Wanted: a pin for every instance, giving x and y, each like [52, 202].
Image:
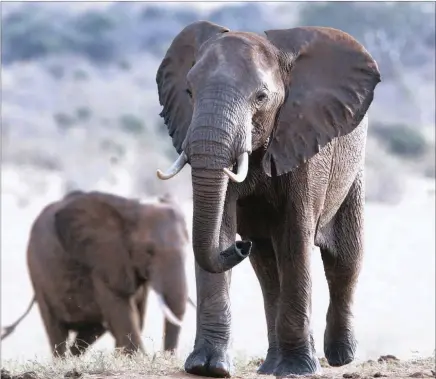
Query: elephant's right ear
[94, 233]
[171, 77]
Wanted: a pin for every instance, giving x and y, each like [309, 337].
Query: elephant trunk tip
[233, 255]
[243, 248]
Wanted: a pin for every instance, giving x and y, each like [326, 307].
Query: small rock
[353, 375]
[379, 375]
[29, 375]
[257, 361]
[73, 374]
[5, 374]
[419, 374]
[323, 362]
[387, 358]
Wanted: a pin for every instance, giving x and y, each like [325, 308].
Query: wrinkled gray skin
[295, 100]
[92, 258]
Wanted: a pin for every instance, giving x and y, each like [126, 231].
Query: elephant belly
[80, 308]
[255, 217]
[76, 302]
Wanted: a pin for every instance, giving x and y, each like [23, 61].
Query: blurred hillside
[79, 95]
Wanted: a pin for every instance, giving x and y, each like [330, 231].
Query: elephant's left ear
[330, 85]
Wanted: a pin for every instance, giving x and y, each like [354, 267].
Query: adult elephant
[289, 109]
[92, 258]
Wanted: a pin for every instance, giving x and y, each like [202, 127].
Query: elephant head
[227, 94]
[127, 243]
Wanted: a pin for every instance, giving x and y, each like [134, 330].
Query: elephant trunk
[209, 192]
[170, 285]
[219, 136]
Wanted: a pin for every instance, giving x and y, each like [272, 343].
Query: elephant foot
[297, 362]
[269, 364]
[340, 352]
[210, 361]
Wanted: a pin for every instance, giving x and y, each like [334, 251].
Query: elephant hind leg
[86, 336]
[56, 330]
[264, 263]
[342, 256]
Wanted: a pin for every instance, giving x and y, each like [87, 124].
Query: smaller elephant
[92, 258]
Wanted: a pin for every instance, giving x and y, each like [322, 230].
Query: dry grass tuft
[114, 365]
[97, 363]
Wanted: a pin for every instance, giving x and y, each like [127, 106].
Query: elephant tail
[7, 330]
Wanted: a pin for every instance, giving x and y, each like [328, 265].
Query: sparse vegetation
[64, 121]
[84, 52]
[131, 124]
[83, 113]
[80, 75]
[402, 140]
[104, 365]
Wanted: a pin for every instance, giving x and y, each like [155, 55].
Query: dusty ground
[116, 367]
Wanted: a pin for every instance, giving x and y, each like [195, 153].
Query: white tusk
[240, 176]
[168, 313]
[174, 169]
[190, 301]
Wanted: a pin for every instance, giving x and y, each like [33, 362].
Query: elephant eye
[188, 91]
[261, 97]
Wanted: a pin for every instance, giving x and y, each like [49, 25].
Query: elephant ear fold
[94, 234]
[330, 81]
[171, 77]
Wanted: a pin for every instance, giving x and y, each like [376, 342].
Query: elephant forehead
[268, 77]
[238, 60]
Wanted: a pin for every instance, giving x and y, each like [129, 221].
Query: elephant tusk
[190, 301]
[168, 313]
[240, 176]
[174, 169]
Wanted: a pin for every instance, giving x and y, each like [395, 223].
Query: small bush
[57, 72]
[80, 75]
[131, 124]
[83, 113]
[112, 148]
[64, 121]
[401, 140]
[124, 65]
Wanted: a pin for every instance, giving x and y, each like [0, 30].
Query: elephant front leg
[295, 342]
[342, 257]
[122, 316]
[210, 355]
[264, 263]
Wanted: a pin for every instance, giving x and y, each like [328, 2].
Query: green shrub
[28, 33]
[131, 124]
[80, 75]
[57, 71]
[401, 140]
[113, 148]
[83, 113]
[124, 65]
[64, 121]
[93, 36]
